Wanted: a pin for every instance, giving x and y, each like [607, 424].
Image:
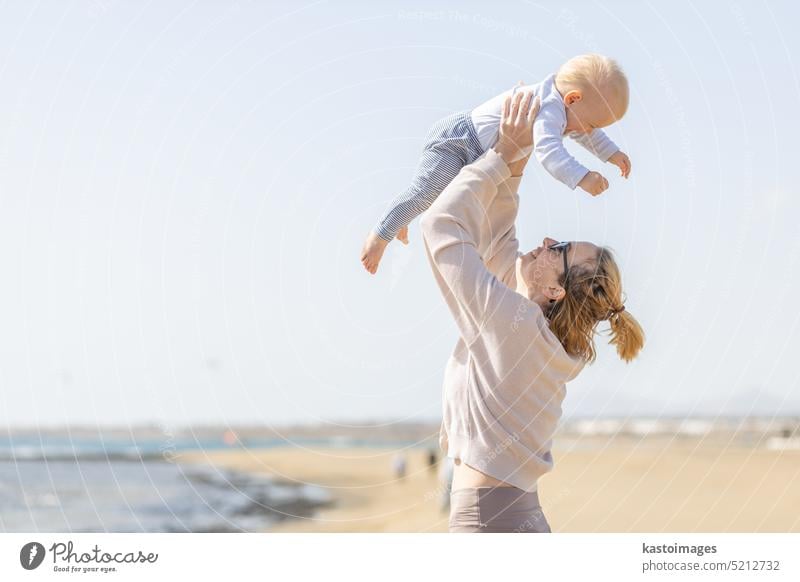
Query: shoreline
[605, 485]
[365, 494]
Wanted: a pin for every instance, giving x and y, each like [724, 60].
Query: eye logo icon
[31, 555]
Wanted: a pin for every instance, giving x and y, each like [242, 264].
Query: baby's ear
[572, 97]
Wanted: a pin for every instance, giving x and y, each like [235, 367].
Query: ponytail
[626, 335]
[594, 295]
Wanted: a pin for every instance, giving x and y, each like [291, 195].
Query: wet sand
[597, 485]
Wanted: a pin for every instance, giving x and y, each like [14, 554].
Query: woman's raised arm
[459, 227]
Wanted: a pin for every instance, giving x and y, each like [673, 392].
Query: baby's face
[588, 112]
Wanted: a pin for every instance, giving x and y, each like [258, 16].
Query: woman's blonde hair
[598, 74]
[594, 294]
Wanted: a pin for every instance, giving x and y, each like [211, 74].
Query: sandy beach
[598, 485]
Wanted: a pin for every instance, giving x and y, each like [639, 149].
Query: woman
[526, 325]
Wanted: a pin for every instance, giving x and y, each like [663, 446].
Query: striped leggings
[451, 144]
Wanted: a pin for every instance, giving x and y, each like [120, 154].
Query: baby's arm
[597, 142]
[606, 150]
[549, 149]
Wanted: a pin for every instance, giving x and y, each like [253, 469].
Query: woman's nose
[547, 241]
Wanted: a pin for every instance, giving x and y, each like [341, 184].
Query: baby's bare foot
[372, 251]
[402, 235]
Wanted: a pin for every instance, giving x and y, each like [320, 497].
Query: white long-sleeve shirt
[548, 133]
[505, 381]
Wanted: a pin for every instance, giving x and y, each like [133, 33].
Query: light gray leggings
[496, 510]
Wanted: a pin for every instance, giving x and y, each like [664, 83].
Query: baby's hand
[594, 183]
[622, 161]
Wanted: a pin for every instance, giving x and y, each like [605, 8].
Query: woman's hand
[516, 128]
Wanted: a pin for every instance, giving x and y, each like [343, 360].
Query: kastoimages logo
[31, 555]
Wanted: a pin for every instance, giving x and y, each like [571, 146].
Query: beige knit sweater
[505, 381]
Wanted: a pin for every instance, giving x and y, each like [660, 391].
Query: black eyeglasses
[563, 247]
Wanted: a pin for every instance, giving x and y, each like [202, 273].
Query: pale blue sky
[186, 185]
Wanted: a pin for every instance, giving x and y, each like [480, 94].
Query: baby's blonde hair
[598, 74]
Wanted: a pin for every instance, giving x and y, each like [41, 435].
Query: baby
[587, 93]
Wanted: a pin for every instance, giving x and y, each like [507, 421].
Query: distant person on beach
[587, 93]
[399, 466]
[526, 324]
[432, 458]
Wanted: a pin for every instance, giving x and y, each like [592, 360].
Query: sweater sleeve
[458, 229]
[501, 258]
[597, 142]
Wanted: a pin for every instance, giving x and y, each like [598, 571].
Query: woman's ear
[554, 293]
